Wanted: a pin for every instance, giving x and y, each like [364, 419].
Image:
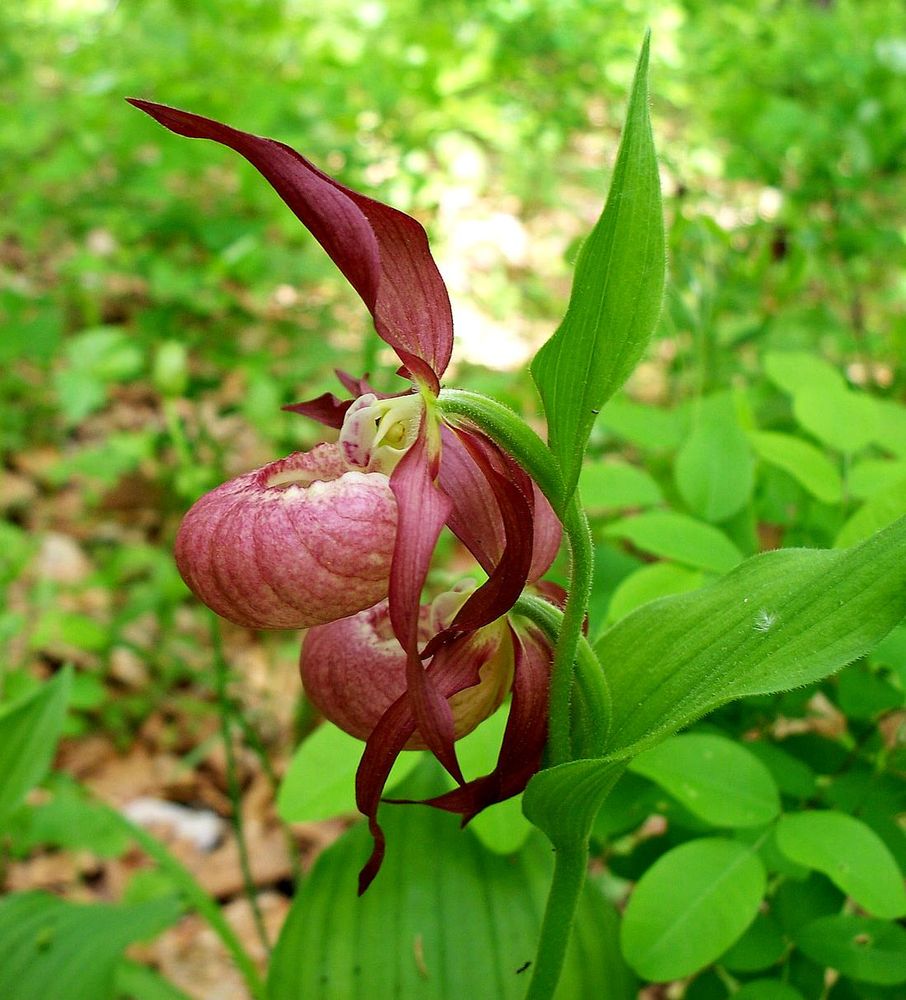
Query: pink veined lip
[354, 669]
[296, 543]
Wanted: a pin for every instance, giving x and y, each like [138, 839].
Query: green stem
[510, 431]
[569, 877]
[513, 434]
[221, 674]
[591, 702]
[575, 524]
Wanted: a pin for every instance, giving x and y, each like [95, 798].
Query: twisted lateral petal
[422, 510]
[455, 668]
[353, 670]
[382, 252]
[523, 738]
[299, 542]
[476, 518]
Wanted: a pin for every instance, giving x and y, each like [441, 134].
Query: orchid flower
[348, 529]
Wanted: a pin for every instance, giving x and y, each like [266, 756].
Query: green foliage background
[158, 305]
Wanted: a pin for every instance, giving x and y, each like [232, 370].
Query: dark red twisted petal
[523, 738]
[360, 386]
[453, 669]
[512, 493]
[382, 252]
[475, 518]
[422, 509]
[327, 409]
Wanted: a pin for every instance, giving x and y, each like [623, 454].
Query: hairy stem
[575, 525]
[569, 877]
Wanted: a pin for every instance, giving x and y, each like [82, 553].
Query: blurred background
[159, 304]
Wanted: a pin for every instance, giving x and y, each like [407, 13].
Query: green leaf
[616, 297]
[48, 945]
[564, 800]
[811, 468]
[844, 420]
[649, 583]
[872, 475]
[68, 819]
[801, 371]
[714, 468]
[445, 918]
[648, 427]
[850, 853]
[780, 620]
[870, 950]
[29, 730]
[320, 780]
[767, 989]
[135, 981]
[759, 948]
[796, 904]
[793, 776]
[679, 537]
[714, 778]
[876, 513]
[890, 433]
[690, 906]
[613, 485]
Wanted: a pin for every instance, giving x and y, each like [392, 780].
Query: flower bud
[353, 670]
[296, 543]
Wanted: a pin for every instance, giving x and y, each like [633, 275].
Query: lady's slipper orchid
[318, 537]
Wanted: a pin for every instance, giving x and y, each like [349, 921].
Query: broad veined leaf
[29, 730]
[850, 853]
[616, 296]
[649, 583]
[679, 537]
[690, 906]
[863, 948]
[877, 512]
[713, 777]
[564, 800]
[714, 468]
[320, 780]
[48, 945]
[445, 918]
[614, 485]
[811, 468]
[780, 620]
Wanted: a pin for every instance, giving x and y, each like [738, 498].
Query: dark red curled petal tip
[383, 253]
[511, 492]
[327, 409]
[523, 738]
[475, 518]
[455, 671]
[422, 509]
